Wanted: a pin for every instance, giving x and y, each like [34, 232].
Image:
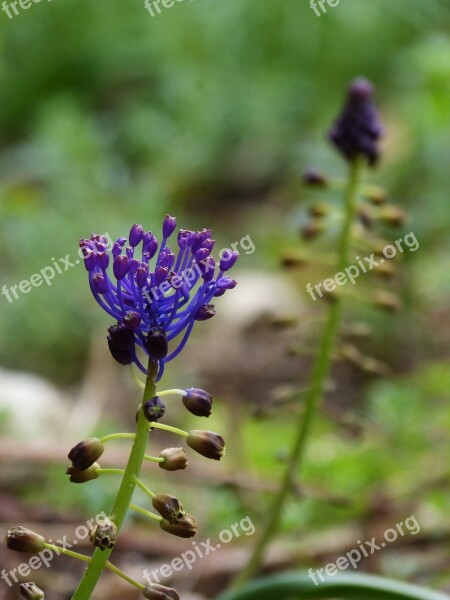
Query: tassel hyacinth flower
[155, 295]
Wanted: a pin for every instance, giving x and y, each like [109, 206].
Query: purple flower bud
[103, 260]
[99, 283]
[154, 409]
[184, 238]
[205, 312]
[134, 266]
[357, 130]
[219, 293]
[169, 226]
[136, 235]
[208, 267]
[121, 337]
[132, 320]
[160, 275]
[90, 259]
[121, 344]
[207, 443]
[228, 260]
[142, 276]
[208, 243]
[198, 402]
[156, 343]
[201, 254]
[150, 244]
[226, 283]
[116, 250]
[121, 266]
[86, 453]
[129, 251]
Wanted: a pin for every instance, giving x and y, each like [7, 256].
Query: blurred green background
[210, 111]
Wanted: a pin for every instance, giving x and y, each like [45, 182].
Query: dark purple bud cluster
[358, 130]
[155, 295]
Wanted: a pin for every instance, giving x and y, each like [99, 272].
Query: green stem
[118, 436]
[143, 487]
[110, 471]
[169, 428]
[154, 459]
[314, 394]
[88, 559]
[125, 493]
[146, 513]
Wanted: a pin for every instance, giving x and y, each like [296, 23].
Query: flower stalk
[315, 392]
[100, 557]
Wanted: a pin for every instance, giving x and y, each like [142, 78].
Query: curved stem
[87, 559]
[146, 513]
[143, 487]
[118, 436]
[125, 493]
[110, 471]
[314, 394]
[169, 428]
[154, 459]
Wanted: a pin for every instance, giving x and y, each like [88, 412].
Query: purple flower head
[357, 130]
[153, 292]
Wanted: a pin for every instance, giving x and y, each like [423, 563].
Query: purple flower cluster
[155, 295]
[358, 129]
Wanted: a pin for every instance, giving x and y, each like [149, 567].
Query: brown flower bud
[24, 540]
[292, 259]
[169, 508]
[160, 592]
[185, 528]
[30, 591]
[206, 443]
[388, 301]
[312, 230]
[393, 216]
[319, 209]
[175, 459]
[104, 535]
[84, 454]
[376, 195]
[311, 176]
[77, 476]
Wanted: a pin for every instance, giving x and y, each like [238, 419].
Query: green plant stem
[169, 428]
[110, 471]
[146, 513]
[342, 586]
[154, 459]
[88, 559]
[125, 493]
[118, 436]
[315, 392]
[143, 487]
